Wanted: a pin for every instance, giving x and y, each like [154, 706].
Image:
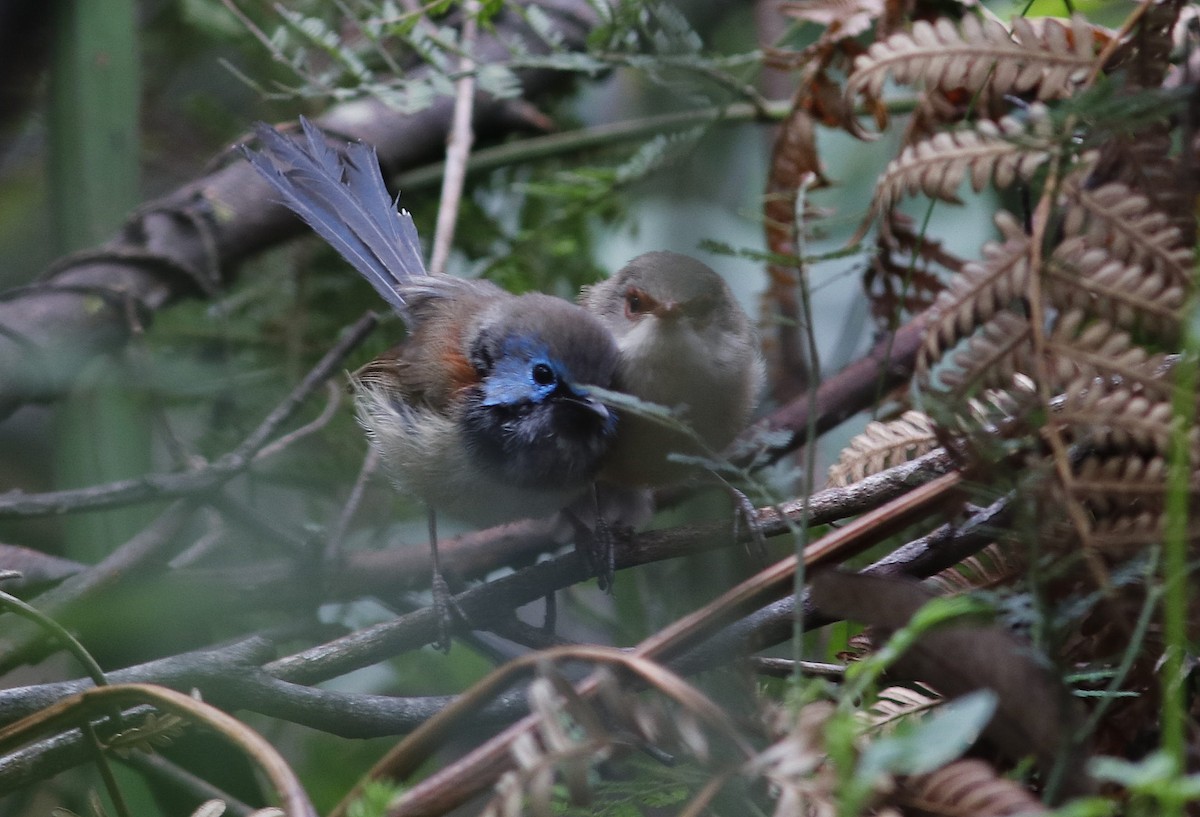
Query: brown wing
[431, 366]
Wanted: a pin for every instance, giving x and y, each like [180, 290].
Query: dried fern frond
[1146, 159]
[1000, 349]
[154, 730]
[795, 764]
[1146, 56]
[966, 788]
[907, 272]
[1125, 485]
[1117, 419]
[981, 290]
[896, 703]
[1120, 485]
[897, 289]
[1147, 162]
[981, 54]
[841, 18]
[904, 237]
[883, 445]
[1123, 222]
[1001, 152]
[1082, 276]
[1121, 536]
[994, 565]
[1080, 350]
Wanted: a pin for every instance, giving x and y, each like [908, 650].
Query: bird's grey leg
[743, 508]
[444, 605]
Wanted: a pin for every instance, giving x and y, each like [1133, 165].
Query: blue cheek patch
[511, 381]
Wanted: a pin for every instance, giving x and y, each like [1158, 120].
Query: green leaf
[665, 797]
[1156, 776]
[939, 739]
[1088, 807]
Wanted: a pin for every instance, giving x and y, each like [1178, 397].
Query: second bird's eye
[637, 301]
[543, 375]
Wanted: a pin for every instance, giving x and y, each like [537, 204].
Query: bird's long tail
[341, 195]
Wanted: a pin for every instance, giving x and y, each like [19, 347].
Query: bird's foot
[743, 509]
[447, 610]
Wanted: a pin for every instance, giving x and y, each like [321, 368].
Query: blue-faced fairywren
[483, 412]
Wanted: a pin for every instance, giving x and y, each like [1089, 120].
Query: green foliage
[641, 789]
[654, 38]
[531, 228]
[1155, 782]
[931, 742]
[374, 799]
[154, 731]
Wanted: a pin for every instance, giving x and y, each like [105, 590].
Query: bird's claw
[744, 510]
[446, 609]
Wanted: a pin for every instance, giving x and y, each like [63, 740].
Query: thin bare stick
[170, 485]
[459, 147]
[454, 784]
[333, 399]
[370, 464]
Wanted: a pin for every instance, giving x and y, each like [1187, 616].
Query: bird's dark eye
[637, 302]
[543, 375]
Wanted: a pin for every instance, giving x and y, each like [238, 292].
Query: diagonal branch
[190, 242]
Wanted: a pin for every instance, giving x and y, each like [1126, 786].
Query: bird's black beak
[580, 399]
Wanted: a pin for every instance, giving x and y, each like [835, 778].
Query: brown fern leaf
[1146, 56]
[1122, 485]
[1000, 349]
[795, 763]
[1002, 152]
[1122, 481]
[982, 54]
[1122, 221]
[795, 164]
[981, 290]
[897, 703]
[1118, 419]
[906, 238]
[907, 273]
[1080, 275]
[993, 566]
[1080, 350]
[1121, 536]
[1146, 160]
[935, 110]
[966, 788]
[841, 18]
[883, 445]
[899, 288]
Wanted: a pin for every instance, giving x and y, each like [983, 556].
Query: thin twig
[370, 465]
[64, 714]
[459, 147]
[231, 676]
[56, 631]
[381, 641]
[333, 400]
[167, 486]
[456, 783]
[150, 542]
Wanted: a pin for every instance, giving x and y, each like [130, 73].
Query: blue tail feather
[343, 198]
